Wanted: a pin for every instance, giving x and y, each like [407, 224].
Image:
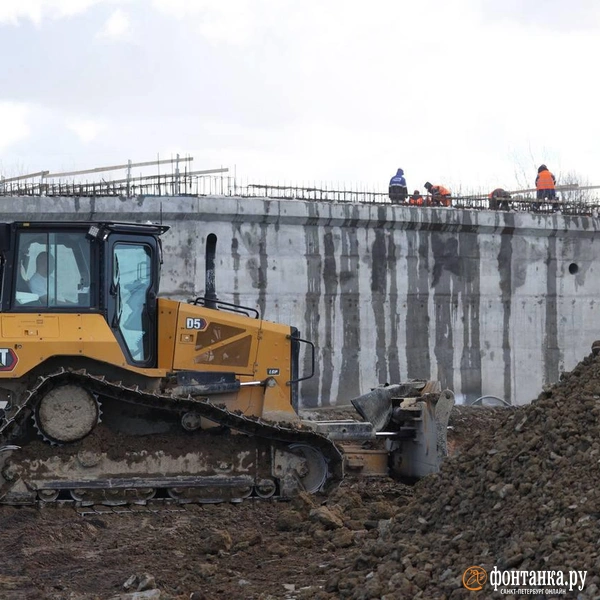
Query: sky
[470, 94]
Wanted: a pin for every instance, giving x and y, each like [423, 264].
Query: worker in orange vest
[416, 199]
[545, 184]
[440, 196]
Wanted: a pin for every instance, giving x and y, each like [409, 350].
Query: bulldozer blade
[376, 405]
[424, 454]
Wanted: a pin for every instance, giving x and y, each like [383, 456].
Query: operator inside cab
[53, 272]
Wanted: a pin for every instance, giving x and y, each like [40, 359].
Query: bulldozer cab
[107, 268]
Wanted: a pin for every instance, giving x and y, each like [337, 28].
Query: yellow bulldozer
[110, 394]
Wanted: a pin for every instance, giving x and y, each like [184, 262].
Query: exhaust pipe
[210, 293]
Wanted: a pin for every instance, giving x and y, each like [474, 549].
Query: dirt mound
[524, 497]
[312, 548]
[468, 422]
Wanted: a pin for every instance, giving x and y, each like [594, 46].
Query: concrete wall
[487, 302]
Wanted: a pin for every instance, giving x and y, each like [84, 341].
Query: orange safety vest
[544, 181]
[416, 200]
[440, 190]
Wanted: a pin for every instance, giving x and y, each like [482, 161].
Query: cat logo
[8, 359]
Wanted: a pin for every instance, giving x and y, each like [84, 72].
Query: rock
[146, 582]
[311, 593]
[345, 499]
[131, 583]
[382, 510]
[278, 550]
[303, 541]
[255, 539]
[325, 517]
[240, 546]
[303, 503]
[146, 595]
[421, 579]
[215, 541]
[346, 586]
[289, 520]
[505, 490]
[358, 514]
[206, 570]
[320, 535]
[331, 585]
[342, 538]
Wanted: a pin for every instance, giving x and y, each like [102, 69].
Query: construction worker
[440, 196]
[499, 199]
[416, 199]
[545, 184]
[398, 190]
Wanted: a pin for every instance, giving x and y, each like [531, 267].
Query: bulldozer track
[103, 387]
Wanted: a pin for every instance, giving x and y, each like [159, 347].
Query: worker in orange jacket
[545, 184]
[416, 199]
[440, 196]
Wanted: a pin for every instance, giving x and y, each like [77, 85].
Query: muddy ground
[265, 549]
[520, 492]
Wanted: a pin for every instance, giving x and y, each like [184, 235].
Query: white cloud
[13, 11]
[453, 92]
[116, 26]
[235, 22]
[13, 123]
[87, 130]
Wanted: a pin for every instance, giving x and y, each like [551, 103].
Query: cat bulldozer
[110, 394]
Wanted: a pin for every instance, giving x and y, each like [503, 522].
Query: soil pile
[519, 491]
[525, 496]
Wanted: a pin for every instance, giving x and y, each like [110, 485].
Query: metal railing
[571, 200]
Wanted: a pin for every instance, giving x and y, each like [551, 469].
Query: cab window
[53, 270]
[132, 278]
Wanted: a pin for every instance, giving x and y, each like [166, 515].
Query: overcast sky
[472, 94]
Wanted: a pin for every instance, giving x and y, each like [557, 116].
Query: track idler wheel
[67, 413]
[313, 473]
